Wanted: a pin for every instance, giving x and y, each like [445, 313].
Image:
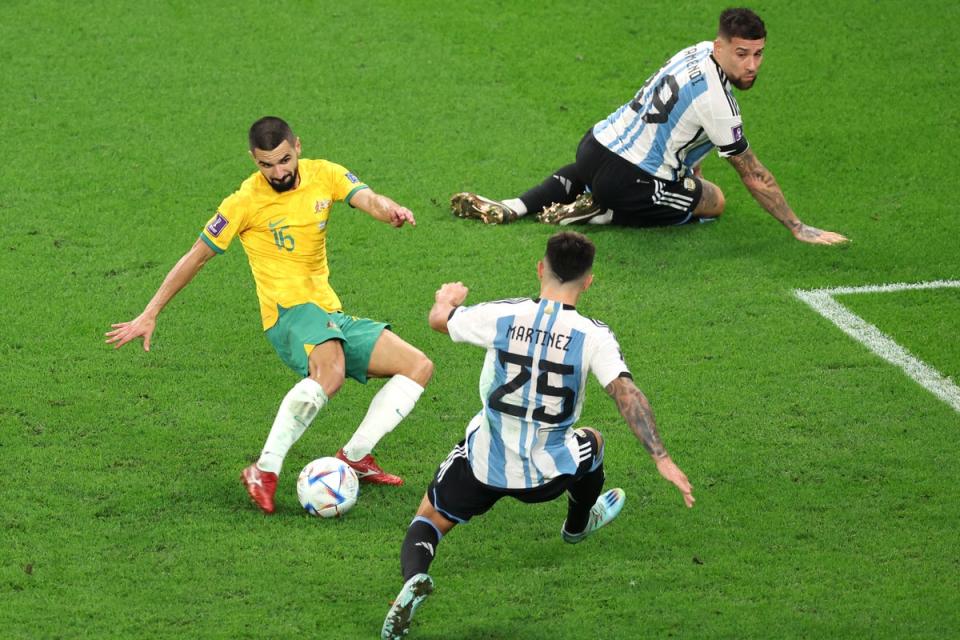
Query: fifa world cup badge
[689, 184]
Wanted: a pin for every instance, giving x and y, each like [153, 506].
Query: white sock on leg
[298, 409]
[391, 405]
[603, 218]
[517, 205]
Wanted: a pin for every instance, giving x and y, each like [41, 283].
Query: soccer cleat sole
[579, 211]
[471, 205]
[603, 512]
[414, 592]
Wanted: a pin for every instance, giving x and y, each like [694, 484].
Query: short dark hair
[741, 23]
[268, 132]
[570, 255]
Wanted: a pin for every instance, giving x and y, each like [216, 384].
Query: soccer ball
[328, 487]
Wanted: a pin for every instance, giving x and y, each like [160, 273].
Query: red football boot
[261, 485]
[369, 471]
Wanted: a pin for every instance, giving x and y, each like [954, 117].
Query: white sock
[604, 218]
[516, 204]
[391, 405]
[298, 409]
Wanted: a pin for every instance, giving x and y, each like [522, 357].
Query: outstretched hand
[123, 332]
[399, 215]
[812, 235]
[672, 472]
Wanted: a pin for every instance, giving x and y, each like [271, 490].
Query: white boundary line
[823, 302]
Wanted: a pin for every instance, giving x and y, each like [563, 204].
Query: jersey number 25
[544, 388]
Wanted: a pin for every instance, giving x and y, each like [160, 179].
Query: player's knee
[420, 369]
[330, 378]
[721, 203]
[711, 202]
[329, 372]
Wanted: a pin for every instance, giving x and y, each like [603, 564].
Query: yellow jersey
[285, 234]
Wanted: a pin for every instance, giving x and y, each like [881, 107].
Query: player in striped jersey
[523, 443]
[640, 166]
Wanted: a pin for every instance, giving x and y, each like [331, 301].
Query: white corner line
[822, 301]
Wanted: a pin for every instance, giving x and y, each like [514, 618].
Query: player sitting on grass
[281, 215]
[523, 443]
[641, 164]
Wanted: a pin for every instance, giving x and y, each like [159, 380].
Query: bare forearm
[764, 188]
[449, 296]
[177, 278]
[635, 409]
[439, 315]
[380, 207]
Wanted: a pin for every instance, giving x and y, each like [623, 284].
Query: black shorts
[457, 494]
[637, 198]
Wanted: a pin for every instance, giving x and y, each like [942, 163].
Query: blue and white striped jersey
[532, 386]
[681, 112]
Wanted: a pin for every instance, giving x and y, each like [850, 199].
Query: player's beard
[286, 184]
[742, 84]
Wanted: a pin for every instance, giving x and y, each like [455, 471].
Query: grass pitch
[825, 478]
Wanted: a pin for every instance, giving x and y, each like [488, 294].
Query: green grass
[825, 478]
[924, 322]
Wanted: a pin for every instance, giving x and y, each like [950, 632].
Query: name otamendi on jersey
[679, 114]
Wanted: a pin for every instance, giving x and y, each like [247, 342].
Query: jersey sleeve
[722, 122]
[343, 183]
[606, 360]
[226, 223]
[474, 325]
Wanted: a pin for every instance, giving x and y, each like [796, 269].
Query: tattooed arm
[764, 188]
[635, 409]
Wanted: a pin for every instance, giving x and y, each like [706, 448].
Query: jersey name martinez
[539, 337]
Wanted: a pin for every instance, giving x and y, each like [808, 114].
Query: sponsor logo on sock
[425, 545]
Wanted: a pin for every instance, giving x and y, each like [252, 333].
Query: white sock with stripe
[298, 409]
[516, 204]
[391, 405]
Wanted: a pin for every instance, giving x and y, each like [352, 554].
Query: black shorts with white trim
[457, 494]
[637, 198]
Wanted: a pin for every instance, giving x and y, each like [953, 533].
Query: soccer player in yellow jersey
[280, 214]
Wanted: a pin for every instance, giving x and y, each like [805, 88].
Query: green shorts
[299, 329]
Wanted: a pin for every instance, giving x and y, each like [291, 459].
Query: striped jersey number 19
[659, 109]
